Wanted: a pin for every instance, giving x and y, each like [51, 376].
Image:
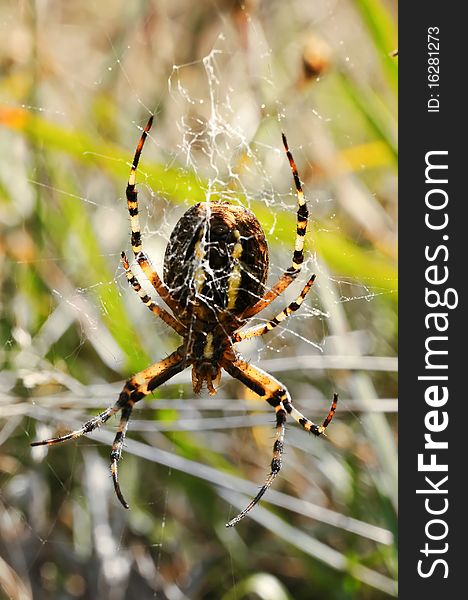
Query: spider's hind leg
[117, 446]
[266, 386]
[275, 465]
[276, 395]
[306, 423]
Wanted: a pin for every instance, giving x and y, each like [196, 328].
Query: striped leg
[154, 308]
[284, 314]
[136, 388]
[302, 214]
[298, 256]
[269, 388]
[261, 383]
[306, 423]
[258, 381]
[117, 446]
[275, 465]
[132, 203]
[277, 396]
[87, 427]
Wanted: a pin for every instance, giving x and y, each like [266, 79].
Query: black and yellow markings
[153, 307]
[278, 446]
[291, 308]
[132, 197]
[235, 277]
[136, 241]
[132, 204]
[117, 446]
[158, 285]
[284, 314]
[147, 380]
[253, 377]
[144, 382]
[141, 142]
[155, 375]
[298, 255]
[87, 427]
[208, 347]
[297, 181]
[133, 281]
[136, 388]
[132, 194]
[302, 212]
[307, 424]
[275, 394]
[285, 399]
[199, 254]
[260, 382]
[275, 466]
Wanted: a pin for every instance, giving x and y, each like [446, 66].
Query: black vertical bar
[433, 253]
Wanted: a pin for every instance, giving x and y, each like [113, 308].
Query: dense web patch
[215, 144]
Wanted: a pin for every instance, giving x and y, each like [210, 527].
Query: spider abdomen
[217, 259]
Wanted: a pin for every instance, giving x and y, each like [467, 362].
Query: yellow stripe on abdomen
[235, 277]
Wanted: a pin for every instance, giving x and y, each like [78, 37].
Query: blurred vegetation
[78, 80]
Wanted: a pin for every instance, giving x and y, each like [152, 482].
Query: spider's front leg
[137, 246]
[298, 255]
[136, 388]
[276, 395]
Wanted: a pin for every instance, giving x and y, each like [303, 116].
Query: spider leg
[258, 381]
[298, 256]
[87, 427]
[137, 247]
[275, 466]
[277, 396]
[284, 314]
[154, 308]
[136, 388]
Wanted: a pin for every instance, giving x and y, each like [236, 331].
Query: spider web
[220, 119]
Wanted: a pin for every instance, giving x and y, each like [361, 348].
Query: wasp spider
[215, 270]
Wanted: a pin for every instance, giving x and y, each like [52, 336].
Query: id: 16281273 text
[433, 69]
